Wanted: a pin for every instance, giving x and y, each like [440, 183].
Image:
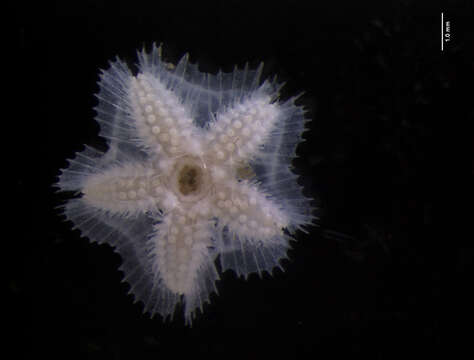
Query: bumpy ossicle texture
[197, 166]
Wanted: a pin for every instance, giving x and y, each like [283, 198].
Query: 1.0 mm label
[445, 31]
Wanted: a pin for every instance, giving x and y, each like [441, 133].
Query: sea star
[197, 166]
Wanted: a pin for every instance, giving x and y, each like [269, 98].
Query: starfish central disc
[191, 180]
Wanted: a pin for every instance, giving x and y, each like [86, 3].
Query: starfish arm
[248, 212]
[163, 122]
[240, 131]
[178, 263]
[251, 227]
[114, 188]
[126, 189]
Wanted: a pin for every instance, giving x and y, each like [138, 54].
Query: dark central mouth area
[189, 179]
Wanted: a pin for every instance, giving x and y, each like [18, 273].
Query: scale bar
[442, 27]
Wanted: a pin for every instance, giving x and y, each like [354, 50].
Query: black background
[388, 157]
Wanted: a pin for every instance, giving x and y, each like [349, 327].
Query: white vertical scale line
[442, 23]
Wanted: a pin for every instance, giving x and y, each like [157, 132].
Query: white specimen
[197, 171]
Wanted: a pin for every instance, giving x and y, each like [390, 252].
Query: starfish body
[197, 171]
